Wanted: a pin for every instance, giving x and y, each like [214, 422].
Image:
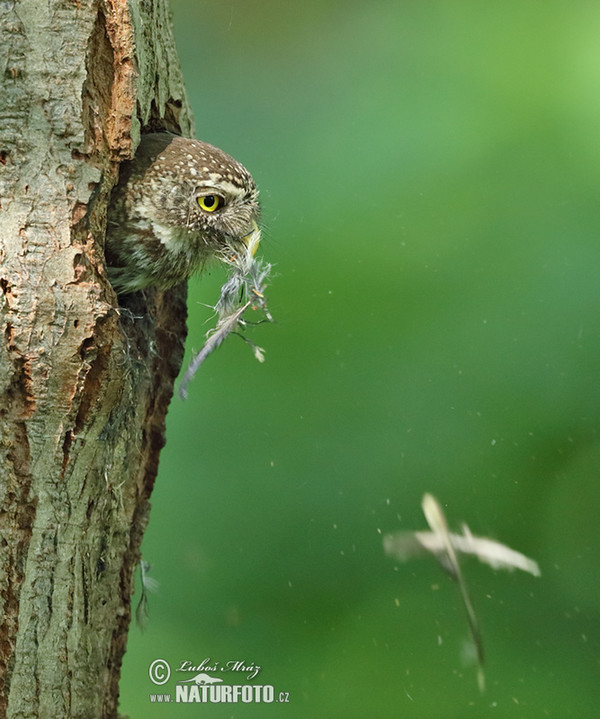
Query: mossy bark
[84, 383]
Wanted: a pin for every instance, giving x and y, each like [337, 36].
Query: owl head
[203, 189]
[178, 203]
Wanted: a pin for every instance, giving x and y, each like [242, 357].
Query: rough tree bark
[84, 384]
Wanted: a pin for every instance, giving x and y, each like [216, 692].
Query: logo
[202, 678]
[159, 671]
[213, 682]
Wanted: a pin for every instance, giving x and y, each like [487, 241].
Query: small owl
[178, 203]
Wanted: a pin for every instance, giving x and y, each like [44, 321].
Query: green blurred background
[430, 176]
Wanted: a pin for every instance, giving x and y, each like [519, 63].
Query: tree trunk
[84, 384]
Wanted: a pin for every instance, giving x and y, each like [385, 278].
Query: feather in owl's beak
[243, 290]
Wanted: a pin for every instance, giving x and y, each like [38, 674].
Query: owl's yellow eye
[210, 203]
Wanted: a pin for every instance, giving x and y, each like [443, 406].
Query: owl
[178, 204]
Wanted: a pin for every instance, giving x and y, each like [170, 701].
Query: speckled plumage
[157, 232]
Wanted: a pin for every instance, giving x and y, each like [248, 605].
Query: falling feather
[446, 547]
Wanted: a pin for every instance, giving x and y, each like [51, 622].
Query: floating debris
[148, 584]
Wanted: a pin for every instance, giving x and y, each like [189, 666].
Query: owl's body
[178, 203]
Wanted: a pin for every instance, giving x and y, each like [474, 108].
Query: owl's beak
[252, 239]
